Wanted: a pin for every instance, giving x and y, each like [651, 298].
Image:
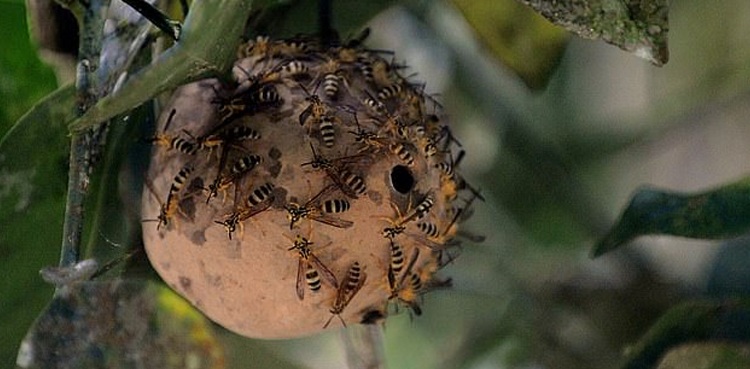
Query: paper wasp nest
[316, 190]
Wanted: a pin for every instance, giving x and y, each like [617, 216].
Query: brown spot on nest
[187, 207]
[185, 283]
[375, 196]
[275, 169]
[199, 237]
[279, 199]
[274, 153]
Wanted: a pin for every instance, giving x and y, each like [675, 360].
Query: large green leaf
[33, 177]
[716, 214]
[638, 26]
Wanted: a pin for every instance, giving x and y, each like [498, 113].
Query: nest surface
[317, 189]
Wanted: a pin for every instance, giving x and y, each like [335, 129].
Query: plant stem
[364, 346]
[77, 187]
[83, 145]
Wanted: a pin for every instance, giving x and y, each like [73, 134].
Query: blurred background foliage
[559, 133]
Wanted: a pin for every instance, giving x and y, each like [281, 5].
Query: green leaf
[709, 355]
[638, 26]
[517, 36]
[33, 178]
[120, 324]
[24, 80]
[113, 222]
[701, 321]
[206, 48]
[716, 214]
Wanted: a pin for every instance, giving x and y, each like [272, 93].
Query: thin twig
[80, 165]
[155, 16]
[364, 346]
[77, 186]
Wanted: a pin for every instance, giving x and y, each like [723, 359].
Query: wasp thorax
[319, 189]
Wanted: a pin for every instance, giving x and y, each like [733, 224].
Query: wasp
[313, 209]
[409, 293]
[353, 182]
[402, 153]
[429, 229]
[446, 169]
[174, 143]
[462, 213]
[397, 265]
[399, 225]
[310, 268]
[365, 68]
[239, 133]
[355, 279]
[335, 206]
[349, 183]
[242, 166]
[375, 71]
[350, 52]
[171, 205]
[327, 132]
[294, 68]
[259, 200]
[316, 110]
[390, 91]
[413, 284]
[375, 105]
[396, 126]
[229, 135]
[422, 208]
[265, 48]
[397, 258]
[444, 134]
[369, 140]
[299, 45]
[259, 97]
[405, 292]
[259, 47]
[332, 78]
[331, 85]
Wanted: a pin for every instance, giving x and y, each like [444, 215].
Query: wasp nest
[314, 191]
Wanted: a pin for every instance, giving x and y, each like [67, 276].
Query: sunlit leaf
[715, 214]
[120, 324]
[691, 322]
[709, 355]
[517, 36]
[638, 26]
